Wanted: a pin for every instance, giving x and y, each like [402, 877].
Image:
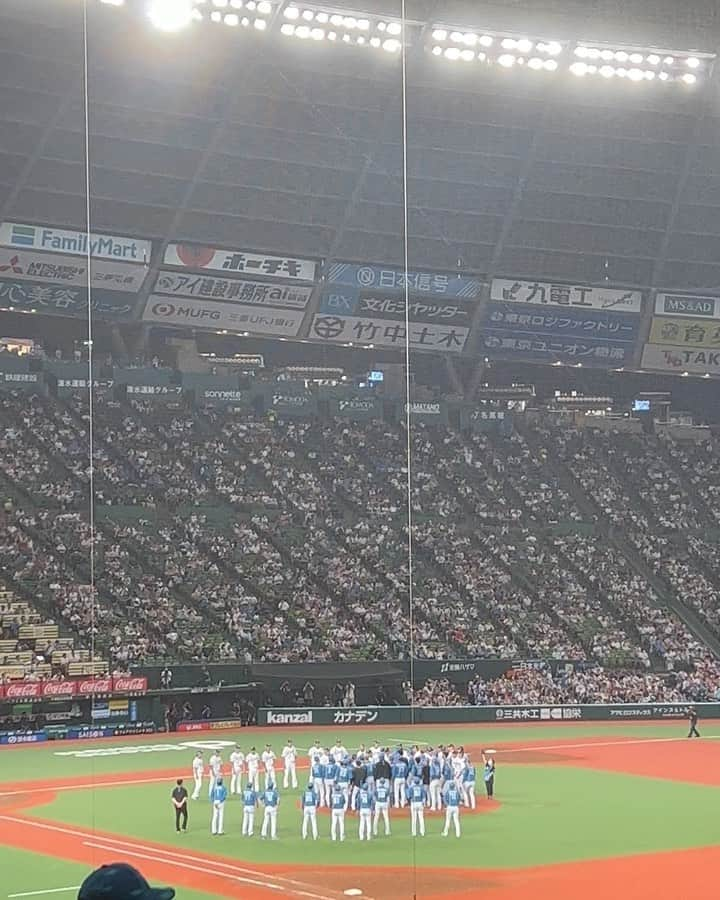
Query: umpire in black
[693, 718]
[180, 802]
[382, 768]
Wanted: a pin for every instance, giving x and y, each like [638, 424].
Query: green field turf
[23, 876]
[548, 813]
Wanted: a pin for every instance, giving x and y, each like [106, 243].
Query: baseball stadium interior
[359, 373]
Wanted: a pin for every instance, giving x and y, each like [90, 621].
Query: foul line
[169, 857]
[65, 890]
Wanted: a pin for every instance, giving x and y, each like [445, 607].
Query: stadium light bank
[490, 48]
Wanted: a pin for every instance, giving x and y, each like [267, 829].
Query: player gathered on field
[368, 783]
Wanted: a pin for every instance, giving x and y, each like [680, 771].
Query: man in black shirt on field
[180, 799]
[693, 717]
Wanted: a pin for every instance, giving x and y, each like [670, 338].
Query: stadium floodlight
[391, 45]
[693, 62]
[535, 63]
[291, 12]
[170, 15]
[524, 45]
[220, 4]
[439, 34]
[508, 43]
[550, 65]
[622, 56]
[579, 68]
[452, 53]
[113, 2]
[467, 55]
[332, 35]
[668, 60]
[607, 71]
[260, 24]
[456, 37]
[322, 17]
[689, 78]
[317, 34]
[469, 39]
[506, 60]
[394, 28]
[363, 24]
[232, 19]
[663, 76]
[636, 75]
[288, 29]
[636, 58]
[653, 59]
[486, 40]
[308, 15]
[264, 7]
[236, 4]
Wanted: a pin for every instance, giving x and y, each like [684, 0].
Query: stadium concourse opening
[359, 462]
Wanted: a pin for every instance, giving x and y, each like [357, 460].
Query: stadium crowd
[227, 537]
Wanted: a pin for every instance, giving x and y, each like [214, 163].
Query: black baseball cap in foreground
[119, 881]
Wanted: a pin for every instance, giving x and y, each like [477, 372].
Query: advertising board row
[684, 335]
[85, 687]
[405, 715]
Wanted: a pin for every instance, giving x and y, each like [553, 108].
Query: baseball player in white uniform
[268, 759]
[289, 756]
[237, 758]
[215, 770]
[338, 752]
[252, 761]
[315, 750]
[198, 768]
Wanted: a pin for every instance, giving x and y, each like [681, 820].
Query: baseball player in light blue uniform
[344, 778]
[382, 805]
[435, 780]
[218, 796]
[317, 773]
[270, 800]
[249, 802]
[329, 778]
[468, 784]
[337, 812]
[399, 775]
[310, 803]
[417, 795]
[452, 799]
[364, 805]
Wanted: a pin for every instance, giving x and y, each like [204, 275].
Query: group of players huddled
[368, 782]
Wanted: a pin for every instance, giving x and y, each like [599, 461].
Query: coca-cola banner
[23, 690]
[84, 687]
[95, 686]
[126, 684]
[59, 688]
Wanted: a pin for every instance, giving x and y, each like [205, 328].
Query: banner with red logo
[85, 687]
[59, 689]
[128, 684]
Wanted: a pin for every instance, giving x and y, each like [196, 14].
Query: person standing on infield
[417, 797]
[289, 756]
[180, 802]
[218, 796]
[693, 718]
[198, 767]
[310, 803]
[271, 800]
[453, 798]
[337, 815]
[489, 776]
[249, 802]
[382, 804]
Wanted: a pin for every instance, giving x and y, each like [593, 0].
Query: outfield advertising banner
[58, 240]
[569, 296]
[241, 262]
[252, 293]
[44, 690]
[571, 323]
[438, 715]
[28, 382]
[690, 305]
[388, 333]
[685, 332]
[60, 300]
[677, 360]
[427, 413]
[549, 349]
[384, 305]
[69, 271]
[218, 316]
[361, 409]
[385, 278]
[289, 403]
